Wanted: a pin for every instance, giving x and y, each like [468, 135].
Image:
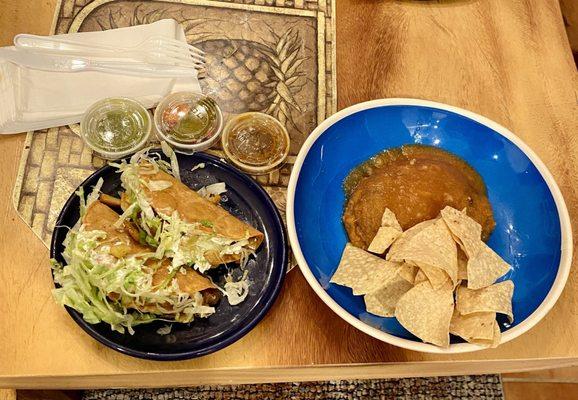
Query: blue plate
[246, 200]
[532, 225]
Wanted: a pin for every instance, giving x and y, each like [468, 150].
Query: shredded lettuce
[169, 152]
[120, 290]
[92, 197]
[126, 214]
[104, 288]
[165, 330]
[236, 291]
[212, 190]
[198, 166]
[157, 186]
[185, 243]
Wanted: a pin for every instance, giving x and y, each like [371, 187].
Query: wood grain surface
[509, 61]
[559, 375]
[7, 394]
[540, 391]
[570, 13]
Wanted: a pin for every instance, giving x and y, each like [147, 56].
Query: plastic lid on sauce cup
[188, 121]
[255, 142]
[116, 127]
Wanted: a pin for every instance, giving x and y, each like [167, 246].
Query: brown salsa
[415, 182]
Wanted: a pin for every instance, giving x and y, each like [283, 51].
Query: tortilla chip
[408, 235]
[420, 277]
[462, 265]
[389, 219]
[426, 313]
[407, 272]
[385, 236]
[382, 302]
[485, 267]
[473, 327]
[436, 276]
[363, 272]
[496, 298]
[468, 233]
[432, 245]
[497, 335]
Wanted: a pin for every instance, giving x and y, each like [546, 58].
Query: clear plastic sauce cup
[255, 142]
[188, 121]
[116, 127]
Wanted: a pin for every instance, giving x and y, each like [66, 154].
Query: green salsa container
[188, 121]
[116, 127]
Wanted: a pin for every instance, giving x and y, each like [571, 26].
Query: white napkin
[33, 99]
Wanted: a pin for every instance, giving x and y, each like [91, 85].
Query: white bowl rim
[565, 228]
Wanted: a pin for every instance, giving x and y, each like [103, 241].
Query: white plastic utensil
[154, 49]
[33, 99]
[59, 63]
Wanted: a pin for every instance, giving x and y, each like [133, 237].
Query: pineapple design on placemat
[249, 76]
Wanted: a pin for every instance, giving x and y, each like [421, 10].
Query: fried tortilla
[408, 272]
[193, 208]
[385, 236]
[383, 301]
[485, 267]
[101, 217]
[474, 328]
[363, 272]
[496, 298]
[431, 248]
[462, 265]
[427, 312]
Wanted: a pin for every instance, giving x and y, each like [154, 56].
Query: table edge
[252, 375]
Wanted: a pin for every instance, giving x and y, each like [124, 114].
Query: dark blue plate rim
[271, 294]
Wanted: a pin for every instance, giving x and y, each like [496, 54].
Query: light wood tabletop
[507, 60]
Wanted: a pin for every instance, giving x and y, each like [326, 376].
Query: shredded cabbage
[169, 152]
[92, 197]
[212, 190]
[236, 292]
[104, 288]
[198, 166]
[185, 243]
[165, 330]
[157, 186]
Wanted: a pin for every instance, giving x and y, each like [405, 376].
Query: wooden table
[507, 60]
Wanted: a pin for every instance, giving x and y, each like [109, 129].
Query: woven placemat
[479, 387]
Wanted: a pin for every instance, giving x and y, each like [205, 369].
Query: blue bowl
[532, 233]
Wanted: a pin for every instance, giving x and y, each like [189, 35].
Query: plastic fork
[70, 63]
[155, 49]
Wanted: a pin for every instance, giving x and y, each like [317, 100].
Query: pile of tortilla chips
[437, 278]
